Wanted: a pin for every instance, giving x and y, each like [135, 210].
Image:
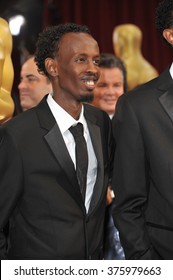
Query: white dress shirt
[65, 121]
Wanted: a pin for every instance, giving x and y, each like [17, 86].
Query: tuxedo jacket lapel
[95, 135]
[57, 146]
[61, 153]
[166, 99]
[96, 141]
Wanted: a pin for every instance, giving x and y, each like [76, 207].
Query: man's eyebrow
[30, 76]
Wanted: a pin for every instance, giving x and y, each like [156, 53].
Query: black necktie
[81, 156]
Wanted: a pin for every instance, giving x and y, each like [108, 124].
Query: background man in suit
[33, 86]
[143, 171]
[39, 191]
[111, 84]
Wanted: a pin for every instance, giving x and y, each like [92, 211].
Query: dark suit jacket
[143, 171]
[39, 193]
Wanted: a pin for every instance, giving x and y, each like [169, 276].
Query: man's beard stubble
[88, 98]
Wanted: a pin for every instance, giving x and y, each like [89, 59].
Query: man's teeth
[90, 83]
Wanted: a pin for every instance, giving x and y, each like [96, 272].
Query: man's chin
[87, 98]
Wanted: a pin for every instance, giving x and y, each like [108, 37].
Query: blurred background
[101, 17]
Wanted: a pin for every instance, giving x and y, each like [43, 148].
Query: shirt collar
[63, 119]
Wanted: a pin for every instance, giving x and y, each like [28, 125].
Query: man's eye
[81, 60]
[96, 62]
[118, 85]
[33, 79]
[101, 85]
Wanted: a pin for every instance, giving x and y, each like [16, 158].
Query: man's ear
[168, 35]
[51, 67]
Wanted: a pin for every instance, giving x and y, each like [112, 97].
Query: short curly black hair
[48, 42]
[164, 15]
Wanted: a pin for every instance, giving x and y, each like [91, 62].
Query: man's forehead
[77, 36]
[78, 41]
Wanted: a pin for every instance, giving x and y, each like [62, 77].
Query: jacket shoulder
[92, 112]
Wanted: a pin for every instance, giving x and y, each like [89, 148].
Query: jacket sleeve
[10, 185]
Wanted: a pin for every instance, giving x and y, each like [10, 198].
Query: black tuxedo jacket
[39, 193]
[143, 171]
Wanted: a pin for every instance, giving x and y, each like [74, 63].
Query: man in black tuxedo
[40, 195]
[143, 170]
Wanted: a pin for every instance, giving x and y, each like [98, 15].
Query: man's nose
[91, 67]
[21, 85]
[111, 90]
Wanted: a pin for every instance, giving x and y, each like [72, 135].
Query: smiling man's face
[78, 66]
[108, 89]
